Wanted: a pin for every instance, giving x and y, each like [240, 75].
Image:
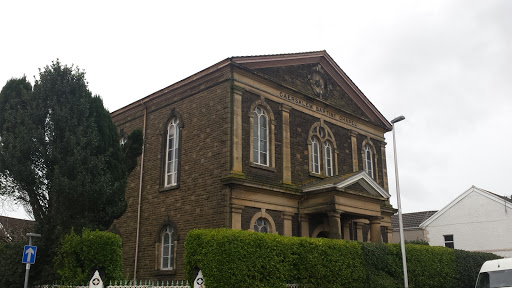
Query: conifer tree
[60, 154]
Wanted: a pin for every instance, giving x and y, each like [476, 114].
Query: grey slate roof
[411, 220]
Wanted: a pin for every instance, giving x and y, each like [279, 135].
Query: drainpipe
[140, 193]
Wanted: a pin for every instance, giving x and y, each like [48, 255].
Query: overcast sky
[445, 65]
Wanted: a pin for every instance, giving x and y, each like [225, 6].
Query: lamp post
[400, 222]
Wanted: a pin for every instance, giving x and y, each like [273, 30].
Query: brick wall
[198, 201]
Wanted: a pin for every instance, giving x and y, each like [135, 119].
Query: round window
[261, 225]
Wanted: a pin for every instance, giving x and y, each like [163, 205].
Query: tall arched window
[322, 151]
[168, 238]
[368, 160]
[315, 156]
[172, 153]
[328, 159]
[260, 136]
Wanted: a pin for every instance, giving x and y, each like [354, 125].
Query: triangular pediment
[359, 182]
[316, 75]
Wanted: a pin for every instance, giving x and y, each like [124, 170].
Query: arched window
[328, 159]
[368, 160]
[260, 136]
[322, 151]
[168, 238]
[261, 225]
[315, 156]
[172, 153]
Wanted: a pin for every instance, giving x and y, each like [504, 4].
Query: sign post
[29, 255]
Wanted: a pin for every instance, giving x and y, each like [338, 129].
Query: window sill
[321, 176]
[165, 272]
[254, 165]
[168, 188]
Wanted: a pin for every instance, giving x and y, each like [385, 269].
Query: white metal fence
[142, 284]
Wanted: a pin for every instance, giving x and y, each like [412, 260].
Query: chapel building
[283, 144]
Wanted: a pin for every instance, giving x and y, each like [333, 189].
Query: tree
[60, 154]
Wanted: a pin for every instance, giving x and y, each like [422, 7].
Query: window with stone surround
[369, 156]
[261, 225]
[168, 248]
[315, 156]
[166, 242]
[368, 160]
[262, 135]
[322, 151]
[172, 153]
[328, 159]
[262, 222]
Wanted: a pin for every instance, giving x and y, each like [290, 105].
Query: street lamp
[400, 222]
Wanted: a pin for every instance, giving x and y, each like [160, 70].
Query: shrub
[79, 255]
[468, 265]
[12, 270]
[234, 258]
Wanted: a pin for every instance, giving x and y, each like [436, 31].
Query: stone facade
[222, 182]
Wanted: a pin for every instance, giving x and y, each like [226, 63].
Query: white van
[495, 273]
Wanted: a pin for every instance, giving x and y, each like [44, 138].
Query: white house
[477, 220]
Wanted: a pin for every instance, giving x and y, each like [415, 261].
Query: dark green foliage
[246, 259]
[430, 267]
[468, 266]
[132, 149]
[249, 259]
[230, 258]
[12, 271]
[320, 261]
[418, 242]
[80, 255]
[383, 265]
[60, 156]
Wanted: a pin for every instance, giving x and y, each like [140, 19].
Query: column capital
[235, 208]
[375, 220]
[287, 215]
[334, 213]
[285, 108]
[303, 217]
[238, 90]
[353, 133]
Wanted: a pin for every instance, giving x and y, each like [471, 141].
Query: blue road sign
[29, 254]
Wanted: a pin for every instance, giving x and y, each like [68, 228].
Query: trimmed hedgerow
[246, 259]
[468, 265]
[79, 255]
[234, 258]
[430, 267]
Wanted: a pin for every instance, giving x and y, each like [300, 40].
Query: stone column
[236, 166]
[287, 164]
[389, 232]
[334, 224]
[384, 166]
[304, 225]
[355, 163]
[287, 223]
[346, 229]
[236, 217]
[375, 235]
[359, 231]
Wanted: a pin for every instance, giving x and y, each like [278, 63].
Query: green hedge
[234, 258]
[468, 265]
[78, 255]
